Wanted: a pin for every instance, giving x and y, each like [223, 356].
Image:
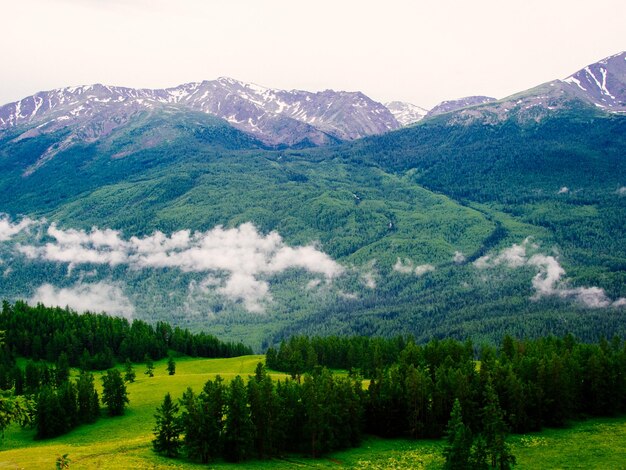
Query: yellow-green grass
[101, 444]
[124, 442]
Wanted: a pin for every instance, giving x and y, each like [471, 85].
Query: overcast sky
[410, 50]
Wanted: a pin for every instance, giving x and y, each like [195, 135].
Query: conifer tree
[168, 428]
[129, 371]
[50, 418]
[171, 365]
[494, 431]
[62, 369]
[149, 366]
[69, 403]
[203, 420]
[238, 428]
[263, 410]
[458, 441]
[87, 397]
[114, 393]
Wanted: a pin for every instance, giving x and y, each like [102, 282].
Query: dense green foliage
[302, 354]
[114, 394]
[125, 442]
[458, 441]
[62, 407]
[167, 430]
[266, 418]
[543, 382]
[522, 386]
[97, 340]
[419, 194]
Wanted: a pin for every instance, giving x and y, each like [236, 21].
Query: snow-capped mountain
[453, 105]
[275, 117]
[601, 85]
[406, 113]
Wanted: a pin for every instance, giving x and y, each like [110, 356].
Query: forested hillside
[435, 230]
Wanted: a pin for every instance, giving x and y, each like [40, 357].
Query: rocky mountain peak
[602, 83]
[276, 117]
[406, 113]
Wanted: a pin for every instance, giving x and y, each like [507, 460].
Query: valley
[273, 235]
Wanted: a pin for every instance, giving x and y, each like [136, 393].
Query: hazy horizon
[422, 54]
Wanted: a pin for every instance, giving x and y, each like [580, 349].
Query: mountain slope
[453, 105]
[474, 222]
[601, 85]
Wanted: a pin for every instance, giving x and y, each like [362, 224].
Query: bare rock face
[275, 117]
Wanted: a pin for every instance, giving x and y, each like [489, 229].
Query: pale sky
[418, 51]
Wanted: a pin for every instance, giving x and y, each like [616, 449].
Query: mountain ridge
[275, 117]
[601, 85]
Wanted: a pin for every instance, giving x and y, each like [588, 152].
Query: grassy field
[124, 442]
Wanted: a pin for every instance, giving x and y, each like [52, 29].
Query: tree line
[98, 341]
[42, 394]
[539, 382]
[474, 397]
[263, 418]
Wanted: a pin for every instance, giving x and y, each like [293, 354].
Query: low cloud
[423, 269]
[369, 280]
[621, 191]
[407, 267]
[550, 278]
[243, 255]
[313, 283]
[563, 190]
[9, 229]
[459, 257]
[98, 297]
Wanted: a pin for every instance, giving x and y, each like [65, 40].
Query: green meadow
[124, 442]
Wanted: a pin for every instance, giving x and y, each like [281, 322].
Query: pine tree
[129, 372]
[263, 412]
[238, 428]
[171, 365]
[168, 428]
[149, 366]
[69, 403]
[88, 402]
[478, 458]
[203, 421]
[114, 393]
[494, 431]
[458, 441]
[50, 418]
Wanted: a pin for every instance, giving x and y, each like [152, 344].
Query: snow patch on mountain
[277, 117]
[406, 113]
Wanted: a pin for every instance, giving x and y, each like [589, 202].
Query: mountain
[275, 117]
[453, 105]
[601, 85]
[406, 113]
[470, 223]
